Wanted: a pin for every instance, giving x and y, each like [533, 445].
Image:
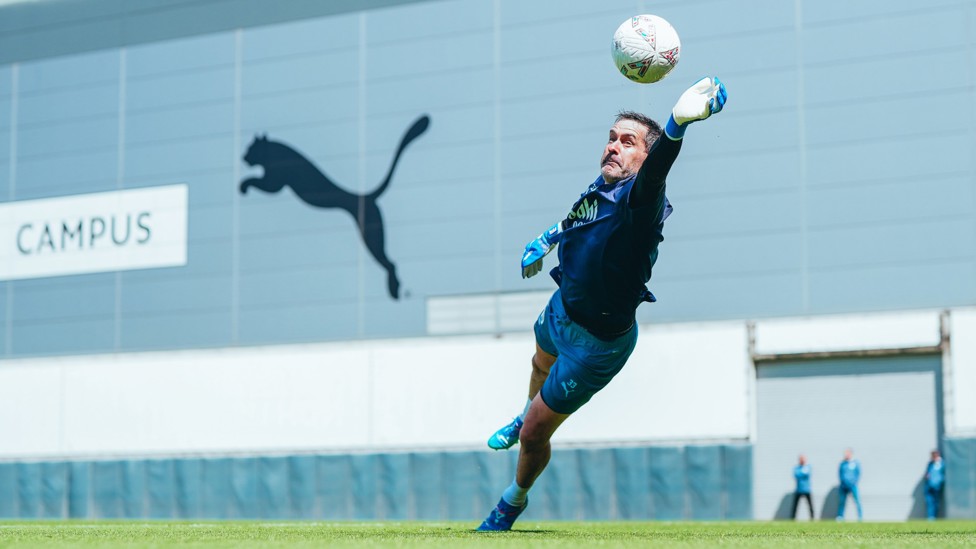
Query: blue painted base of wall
[636, 483]
[960, 487]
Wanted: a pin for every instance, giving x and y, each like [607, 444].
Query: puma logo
[569, 386]
[285, 166]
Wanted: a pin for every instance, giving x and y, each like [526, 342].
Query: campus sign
[91, 233]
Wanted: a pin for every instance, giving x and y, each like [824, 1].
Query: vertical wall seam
[970, 16]
[361, 124]
[723, 489]
[496, 108]
[119, 185]
[361, 260]
[650, 485]
[802, 146]
[66, 492]
[370, 398]
[686, 508]
[751, 373]
[235, 253]
[62, 412]
[946, 374]
[90, 494]
[11, 194]
[971, 78]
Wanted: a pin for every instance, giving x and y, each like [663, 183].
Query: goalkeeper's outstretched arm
[703, 99]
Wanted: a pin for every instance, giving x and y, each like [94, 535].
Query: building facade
[260, 260]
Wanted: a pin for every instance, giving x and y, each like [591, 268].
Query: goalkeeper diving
[607, 247]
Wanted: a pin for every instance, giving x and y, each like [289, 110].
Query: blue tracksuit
[934, 481]
[850, 474]
[802, 475]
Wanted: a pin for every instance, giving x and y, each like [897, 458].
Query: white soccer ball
[645, 48]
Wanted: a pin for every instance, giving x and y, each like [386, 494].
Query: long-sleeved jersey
[802, 475]
[935, 474]
[610, 243]
[849, 472]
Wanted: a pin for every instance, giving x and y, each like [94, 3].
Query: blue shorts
[584, 363]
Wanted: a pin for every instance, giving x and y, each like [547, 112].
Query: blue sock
[515, 495]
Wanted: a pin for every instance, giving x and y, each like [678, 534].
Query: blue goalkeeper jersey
[610, 243]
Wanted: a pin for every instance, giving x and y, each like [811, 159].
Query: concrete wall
[694, 381]
[880, 331]
[398, 394]
[962, 420]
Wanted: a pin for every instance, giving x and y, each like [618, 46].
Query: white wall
[832, 333]
[687, 382]
[963, 350]
[419, 393]
[890, 331]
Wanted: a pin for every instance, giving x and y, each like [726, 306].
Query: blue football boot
[502, 517]
[507, 436]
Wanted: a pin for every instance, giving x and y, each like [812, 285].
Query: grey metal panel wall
[34, 30]
[692, 482]
[808, 195]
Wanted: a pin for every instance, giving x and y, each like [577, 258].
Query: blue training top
[935, 474]
[849, 473]
[610, 243]
[802, 474]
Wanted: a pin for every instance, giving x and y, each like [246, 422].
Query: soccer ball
[645, 48]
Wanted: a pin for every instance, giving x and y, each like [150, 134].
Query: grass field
[564, 535]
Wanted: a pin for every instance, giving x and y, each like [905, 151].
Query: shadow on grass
[514, 532]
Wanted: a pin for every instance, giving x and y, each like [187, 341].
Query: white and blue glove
[538, 248]
[703, 99]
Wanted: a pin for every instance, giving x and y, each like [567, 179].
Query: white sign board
[92, 233]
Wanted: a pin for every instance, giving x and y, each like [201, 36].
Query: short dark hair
[653, 128]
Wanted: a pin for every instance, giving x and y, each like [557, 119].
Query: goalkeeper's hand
[538, 248]
[703, 99]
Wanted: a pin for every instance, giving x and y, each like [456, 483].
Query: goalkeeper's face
[625, 151]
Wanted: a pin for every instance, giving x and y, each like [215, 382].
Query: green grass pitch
[562, 535]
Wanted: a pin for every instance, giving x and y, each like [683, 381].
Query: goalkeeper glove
[703, 99]
[538, 248]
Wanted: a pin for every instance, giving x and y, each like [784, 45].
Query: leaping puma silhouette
[285, 166]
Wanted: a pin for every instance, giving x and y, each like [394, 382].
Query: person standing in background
[802, 475]
[934, 481]
[850, 475]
